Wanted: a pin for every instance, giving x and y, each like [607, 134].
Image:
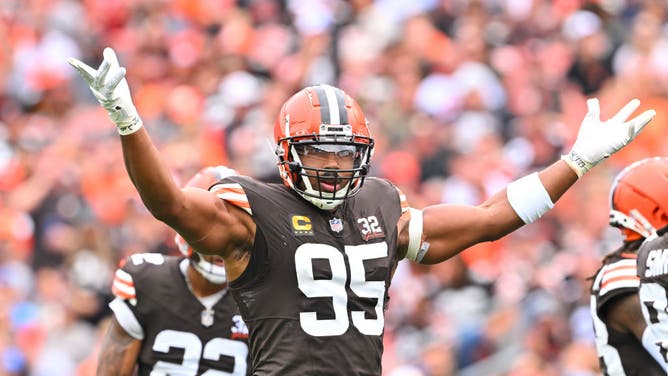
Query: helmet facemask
[323, 145]
[325, 187]
[212, 272]
[635, 222]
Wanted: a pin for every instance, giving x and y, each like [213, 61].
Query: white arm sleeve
[126, 318]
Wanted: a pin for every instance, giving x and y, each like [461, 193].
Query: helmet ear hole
[661, 216]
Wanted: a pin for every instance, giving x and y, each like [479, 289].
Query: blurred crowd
[463, 96]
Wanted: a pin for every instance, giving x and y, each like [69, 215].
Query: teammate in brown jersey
[637, 199]
[173, 315]
[311, 261]
[652, 265]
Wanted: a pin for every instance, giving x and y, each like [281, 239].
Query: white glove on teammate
[109, 86]
[599, 139]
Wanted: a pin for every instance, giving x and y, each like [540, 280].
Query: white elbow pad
[528, 198]
[416, 247]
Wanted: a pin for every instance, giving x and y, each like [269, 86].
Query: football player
[311, 261]
[652, 266]
[615, 306]
[173, 315]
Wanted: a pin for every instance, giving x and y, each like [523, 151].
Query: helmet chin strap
[322, 203]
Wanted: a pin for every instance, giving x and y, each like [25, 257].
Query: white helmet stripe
[333, 105]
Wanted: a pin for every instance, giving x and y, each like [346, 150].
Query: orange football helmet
[322, 119]
[639, 198]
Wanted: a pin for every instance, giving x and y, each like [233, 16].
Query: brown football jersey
[180, 336]
[620, 353]
[316, 289]
[653, 291]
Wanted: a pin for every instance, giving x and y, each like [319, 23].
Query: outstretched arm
[450, 229]
[187, 211]
[447, 230]
[198, 215]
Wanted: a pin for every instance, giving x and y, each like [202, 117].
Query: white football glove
[599, 139]
[109, 86]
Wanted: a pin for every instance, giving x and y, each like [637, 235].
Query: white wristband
[130, 127]
[416, 248]
[529, 198]
[576, 163]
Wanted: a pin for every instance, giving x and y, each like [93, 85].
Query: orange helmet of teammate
[639, 198]
[322, 120]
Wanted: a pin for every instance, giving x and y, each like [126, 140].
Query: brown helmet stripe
[324, 104]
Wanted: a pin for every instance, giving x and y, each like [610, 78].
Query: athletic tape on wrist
[129, 128]
[415, 236]
[576, 163]
[528, 198]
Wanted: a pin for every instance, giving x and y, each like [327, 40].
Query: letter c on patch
[301, 223]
